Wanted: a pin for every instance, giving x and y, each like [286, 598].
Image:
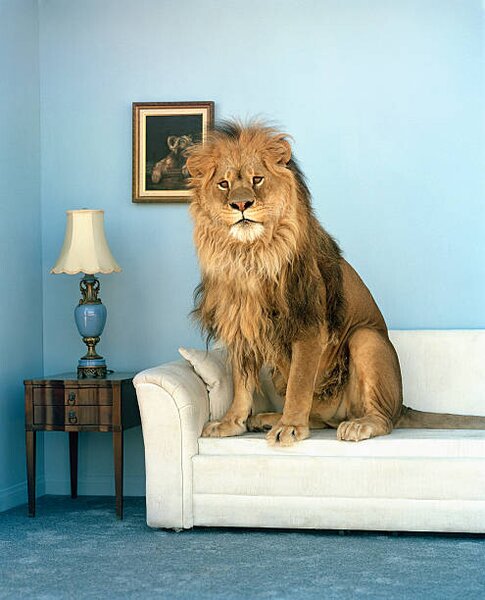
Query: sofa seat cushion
[408, 464]
[401, 443]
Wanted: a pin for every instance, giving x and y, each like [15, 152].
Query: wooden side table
[65, 403]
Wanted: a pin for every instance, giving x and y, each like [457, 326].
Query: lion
[276, 290]
[175, 160]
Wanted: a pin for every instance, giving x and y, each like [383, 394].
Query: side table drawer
[53, 396]
[90, 396]
[72, 415]
[48, 395]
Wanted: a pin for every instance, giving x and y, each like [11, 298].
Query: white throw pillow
[213, 367]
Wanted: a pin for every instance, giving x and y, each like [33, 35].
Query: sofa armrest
[174, 405]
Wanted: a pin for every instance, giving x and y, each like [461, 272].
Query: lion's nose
[242, 206]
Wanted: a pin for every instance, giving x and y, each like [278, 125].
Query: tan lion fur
[276, 291]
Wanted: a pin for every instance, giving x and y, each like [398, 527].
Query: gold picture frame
[162, 131]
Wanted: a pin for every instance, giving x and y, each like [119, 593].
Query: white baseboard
[17, 494]
[96, 486]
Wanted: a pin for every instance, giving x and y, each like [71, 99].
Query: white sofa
[410, 480]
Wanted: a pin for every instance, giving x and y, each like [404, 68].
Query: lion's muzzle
[242, 206]
[241, 198]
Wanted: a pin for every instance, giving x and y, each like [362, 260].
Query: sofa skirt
[375, 514]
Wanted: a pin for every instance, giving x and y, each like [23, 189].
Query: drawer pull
[72, 398]
[72, 417]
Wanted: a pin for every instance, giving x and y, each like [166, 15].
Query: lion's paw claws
[287, 435]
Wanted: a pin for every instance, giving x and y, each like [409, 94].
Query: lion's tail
[416, 419]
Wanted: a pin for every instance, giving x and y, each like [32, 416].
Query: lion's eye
[223, 185]
[258, 180]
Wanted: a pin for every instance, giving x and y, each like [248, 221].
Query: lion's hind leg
[374, 389]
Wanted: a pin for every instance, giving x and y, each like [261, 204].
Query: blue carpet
[78, 549]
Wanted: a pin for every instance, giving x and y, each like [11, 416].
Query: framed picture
[162, 131]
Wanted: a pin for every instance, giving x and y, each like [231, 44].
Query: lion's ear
[200, 165]
[172, 141]
[279, 150]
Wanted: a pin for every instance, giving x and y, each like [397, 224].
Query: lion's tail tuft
[416, 419]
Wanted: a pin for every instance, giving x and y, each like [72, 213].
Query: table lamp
[85, 250]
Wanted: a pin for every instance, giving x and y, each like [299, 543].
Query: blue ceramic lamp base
[91, 368]
[90, 316]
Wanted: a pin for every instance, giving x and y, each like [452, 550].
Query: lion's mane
[260, 297]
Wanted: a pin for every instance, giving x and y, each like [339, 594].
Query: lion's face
[243, 184]
[243, 196]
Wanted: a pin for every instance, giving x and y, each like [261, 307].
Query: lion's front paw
[287, 435]
[223, 429]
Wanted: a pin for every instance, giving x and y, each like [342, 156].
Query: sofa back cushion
[443, 371]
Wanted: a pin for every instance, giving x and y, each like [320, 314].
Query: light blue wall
[383, 99]
[20, 238]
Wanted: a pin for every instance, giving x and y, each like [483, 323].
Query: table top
[73, 379]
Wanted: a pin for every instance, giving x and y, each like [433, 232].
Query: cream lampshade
[85, 250]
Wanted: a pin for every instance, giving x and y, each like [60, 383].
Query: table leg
[73, 453]
[118, 460]
[30, 448]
